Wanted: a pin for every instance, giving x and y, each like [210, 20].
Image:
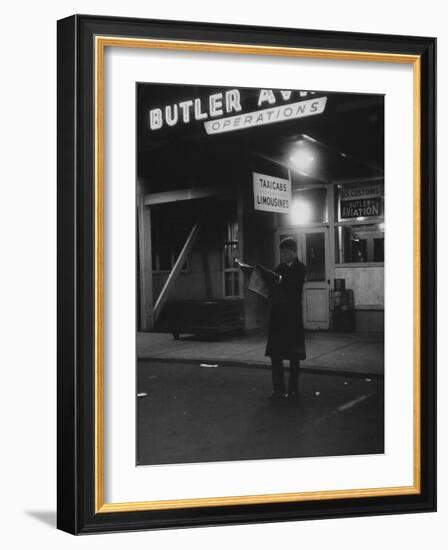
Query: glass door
[315, 292]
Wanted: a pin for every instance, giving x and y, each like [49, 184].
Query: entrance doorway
[312, 250]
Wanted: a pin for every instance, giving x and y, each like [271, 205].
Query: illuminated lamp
[302, 157]
[301, 212]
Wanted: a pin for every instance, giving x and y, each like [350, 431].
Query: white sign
[216, 105]
[290, 111]
[271, 194]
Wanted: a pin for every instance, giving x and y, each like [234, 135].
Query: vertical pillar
[145, 257]
[206, 268]
[331, 232]
[240, 219]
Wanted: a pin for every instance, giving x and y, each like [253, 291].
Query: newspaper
[258, 283]
[261, 278]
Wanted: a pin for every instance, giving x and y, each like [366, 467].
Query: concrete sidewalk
[352, 353]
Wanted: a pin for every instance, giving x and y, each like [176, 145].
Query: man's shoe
[293, 395]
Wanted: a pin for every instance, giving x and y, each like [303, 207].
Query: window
[378, 250]
[359, 243]
[315, 256]
[170, 227]
[165, 257]
[231, 271]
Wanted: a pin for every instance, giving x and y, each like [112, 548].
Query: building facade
[208, 195]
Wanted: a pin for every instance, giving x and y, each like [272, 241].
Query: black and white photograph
[260, 273]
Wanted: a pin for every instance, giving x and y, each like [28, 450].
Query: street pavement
[187, 413]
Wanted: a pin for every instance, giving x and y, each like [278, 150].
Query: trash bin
[342, 310]
[339, 284]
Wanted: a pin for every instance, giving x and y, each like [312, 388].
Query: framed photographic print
[246, 274]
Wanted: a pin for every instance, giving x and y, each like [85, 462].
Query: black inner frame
[76, 481]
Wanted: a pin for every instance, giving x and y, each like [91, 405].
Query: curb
[265, 366]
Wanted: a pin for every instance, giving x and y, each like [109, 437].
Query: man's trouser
[278, 380]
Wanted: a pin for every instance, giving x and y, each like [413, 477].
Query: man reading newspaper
[286, 339]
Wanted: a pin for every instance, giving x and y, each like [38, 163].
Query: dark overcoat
[286, 338]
